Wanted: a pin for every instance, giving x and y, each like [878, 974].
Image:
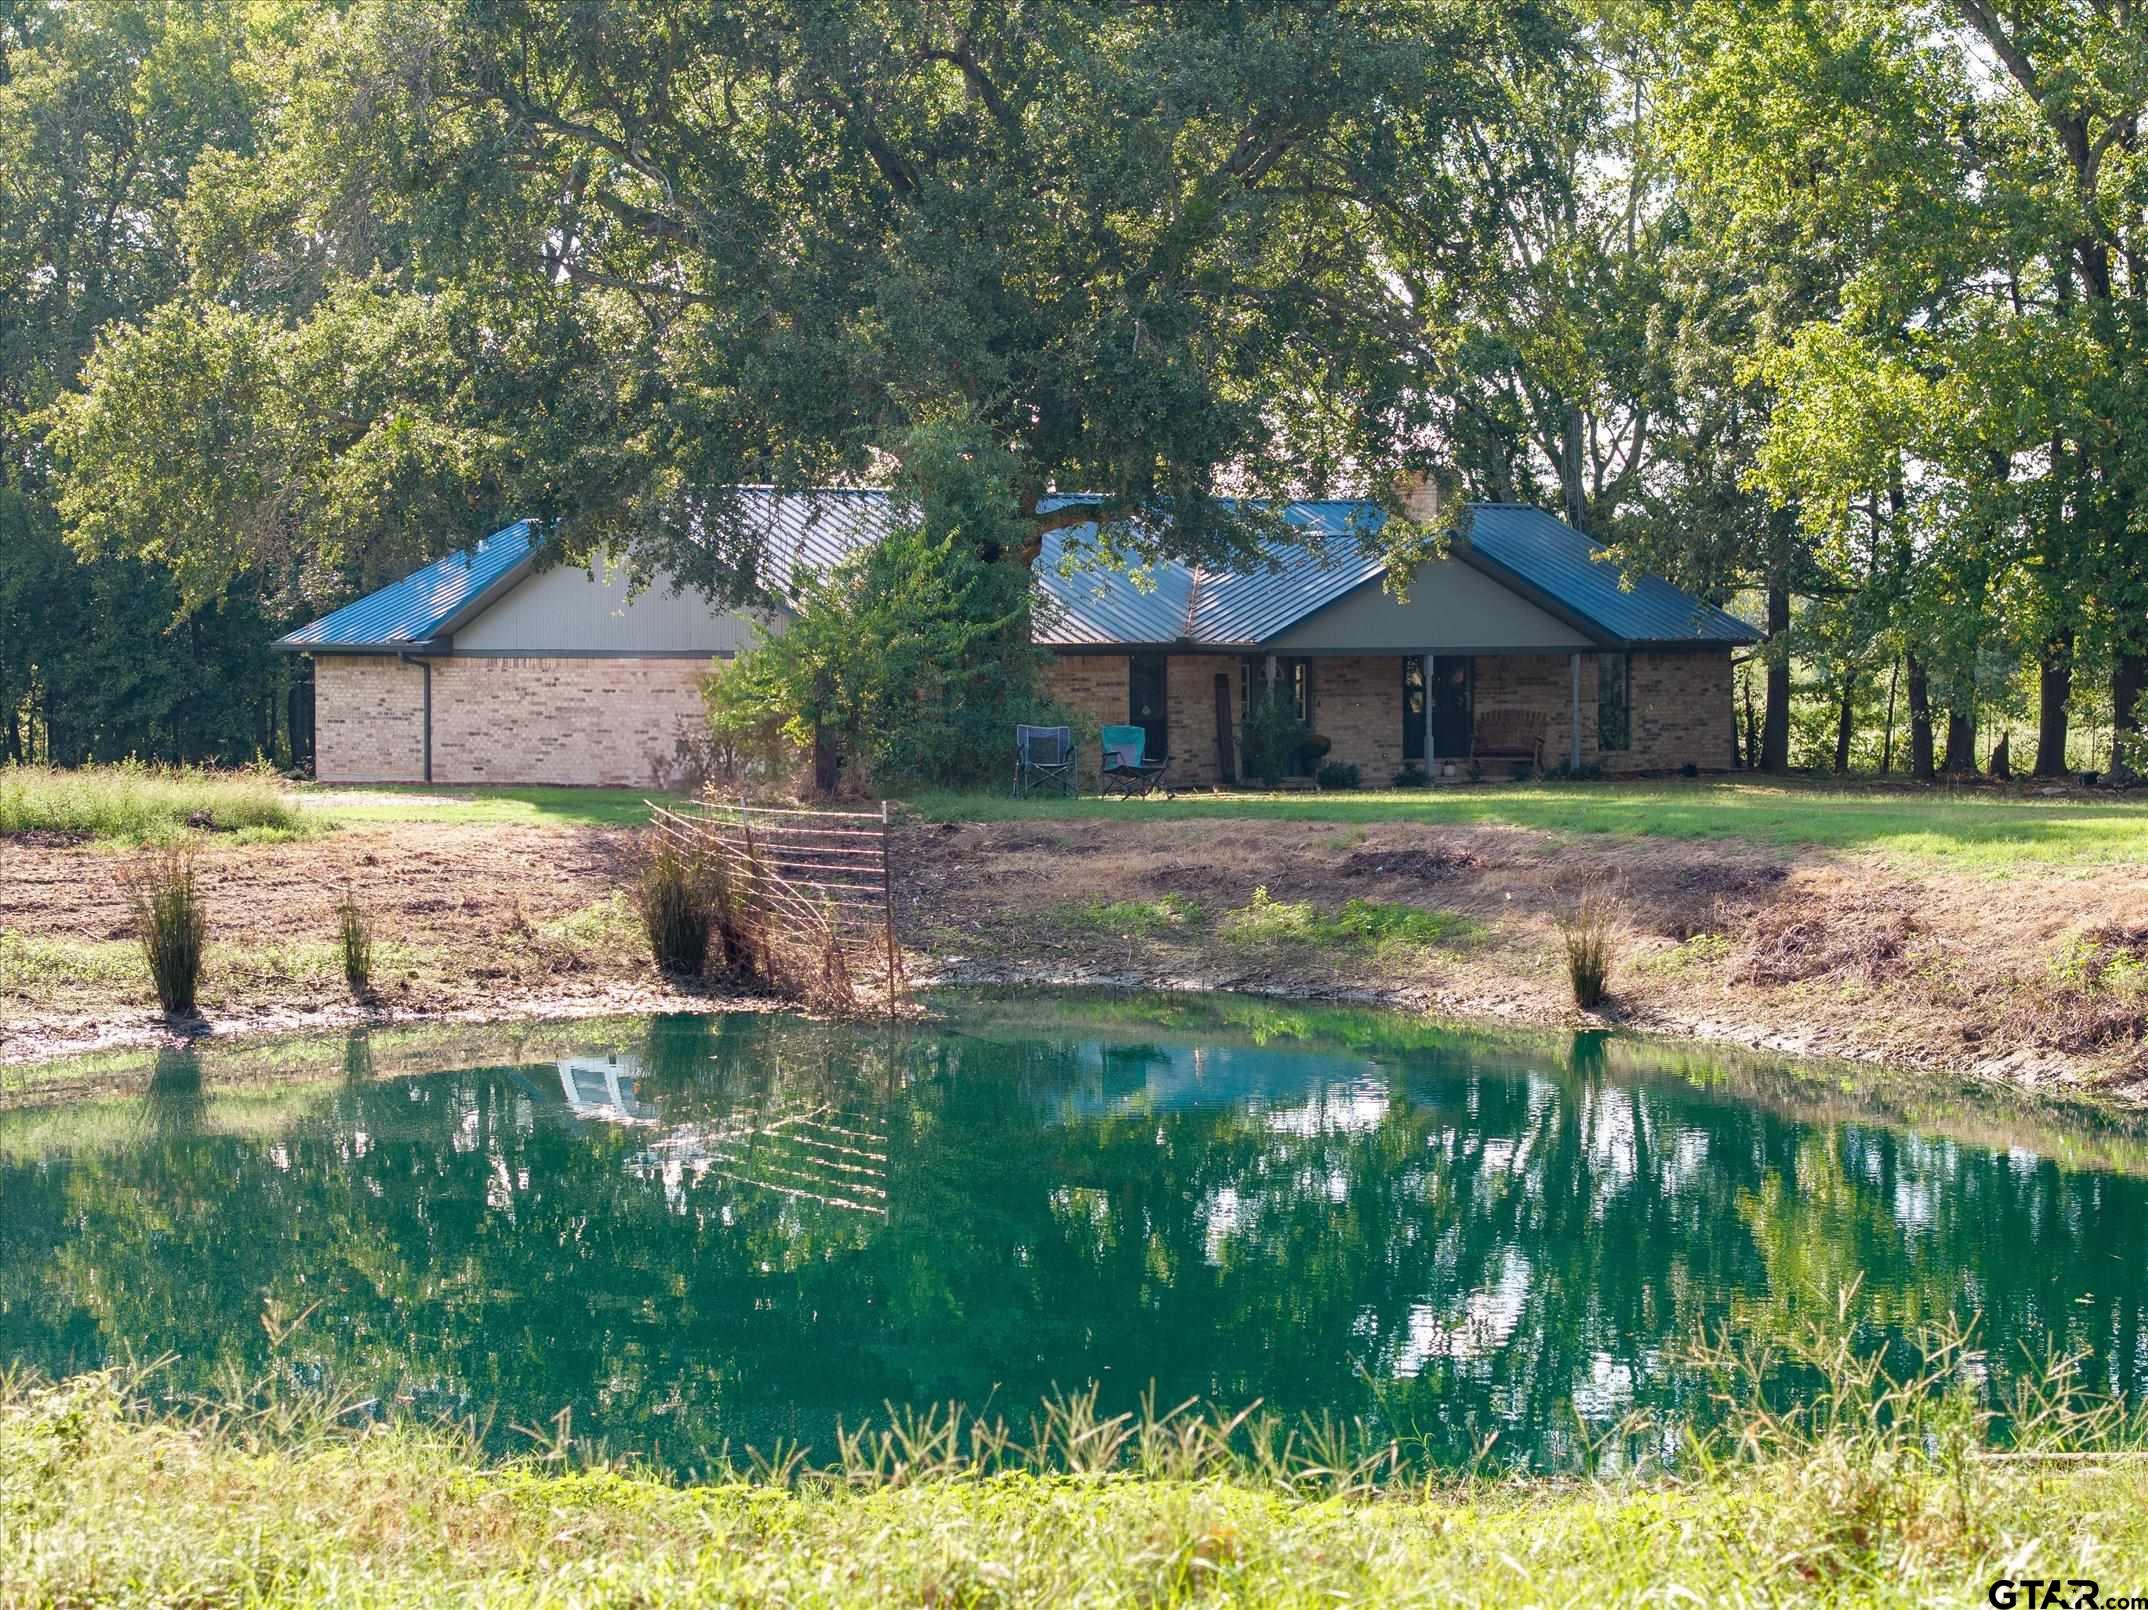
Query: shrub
[169, 921]
[1274, 737]
[1339, 774]
[1590, 932]
[675, 897]
[354, 933]
[1412, 776]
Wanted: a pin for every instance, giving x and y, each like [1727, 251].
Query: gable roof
[1534, 554]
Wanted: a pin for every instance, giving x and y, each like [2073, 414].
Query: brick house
[482, 668]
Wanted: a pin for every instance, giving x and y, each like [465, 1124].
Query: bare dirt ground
[1815, 952]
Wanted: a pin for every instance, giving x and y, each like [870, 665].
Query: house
[481, 668]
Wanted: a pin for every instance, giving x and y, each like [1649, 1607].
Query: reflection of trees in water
[1456, 1251]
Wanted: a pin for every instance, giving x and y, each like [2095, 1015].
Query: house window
[1614, 702]
[1145, 706]
[1293, 684]
[1413, 708]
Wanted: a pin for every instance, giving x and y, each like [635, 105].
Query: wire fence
[818, 881]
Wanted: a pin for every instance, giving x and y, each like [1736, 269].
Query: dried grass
[1592, 932]
[171, 926]
[1797, 940]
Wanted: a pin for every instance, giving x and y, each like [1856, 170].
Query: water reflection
[744, 1228]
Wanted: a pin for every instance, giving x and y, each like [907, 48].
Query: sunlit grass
[1977, 829]
[132, 803]
[485, 807]
[1367, 924]
[1132, 919]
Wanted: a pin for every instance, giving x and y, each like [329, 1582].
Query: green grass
[1365, 924]
[117, 966]
[1973, 829]
[486, 807]
[1132, 919]
[132, 803]
[1875, 1496]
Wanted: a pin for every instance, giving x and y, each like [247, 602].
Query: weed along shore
[1992, 934]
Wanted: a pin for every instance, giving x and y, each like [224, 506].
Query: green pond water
[739, 1229]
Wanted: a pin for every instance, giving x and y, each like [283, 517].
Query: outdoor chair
[1510, 735]
[1128, 772]
[1043, 761]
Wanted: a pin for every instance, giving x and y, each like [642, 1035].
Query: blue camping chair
[1128, 771]
[1043, 761]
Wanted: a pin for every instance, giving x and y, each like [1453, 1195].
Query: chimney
[1423, 499]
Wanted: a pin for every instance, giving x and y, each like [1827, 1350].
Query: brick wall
[1682, 713]
[1543, 685]
[369, 719]
[1357, 703]
[611, 722]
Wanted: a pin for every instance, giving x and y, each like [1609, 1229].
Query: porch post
[1270, 669]
[1430, 756]
[1574, 760]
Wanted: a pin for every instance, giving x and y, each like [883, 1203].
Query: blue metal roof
[1538, 555]
[425, 604]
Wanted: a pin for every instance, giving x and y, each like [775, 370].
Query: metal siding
[569, 611]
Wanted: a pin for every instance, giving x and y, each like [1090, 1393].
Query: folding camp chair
[1043, 761]
[1127, 771]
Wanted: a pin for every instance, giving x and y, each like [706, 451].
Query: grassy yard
[132, 803]
[485, 807]
[1970, 828]
[102, 1502]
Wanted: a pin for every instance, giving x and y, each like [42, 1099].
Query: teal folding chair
[1128, 772]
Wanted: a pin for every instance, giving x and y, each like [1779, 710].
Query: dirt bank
[2030, 977]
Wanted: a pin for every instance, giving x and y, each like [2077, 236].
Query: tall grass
[1590, 933]
[136, 803]
[170, 924]
[676, 898]
[354, 937]
[1868, 1488]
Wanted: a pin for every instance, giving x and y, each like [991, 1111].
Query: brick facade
[369, 719]
[1681, 707]
[614, 722]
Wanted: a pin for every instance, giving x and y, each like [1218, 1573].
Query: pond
[738, 1229]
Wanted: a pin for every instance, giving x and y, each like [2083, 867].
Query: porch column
[1574, 759]
[1430, 756]
[1270, 670]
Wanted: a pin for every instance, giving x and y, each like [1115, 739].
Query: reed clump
[354, 936]
[1590, 932]
[677, 898]
[169, 921]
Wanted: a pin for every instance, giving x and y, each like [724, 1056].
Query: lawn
[485, 807]
[1969, 828]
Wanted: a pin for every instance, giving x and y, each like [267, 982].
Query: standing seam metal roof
[1166, 605]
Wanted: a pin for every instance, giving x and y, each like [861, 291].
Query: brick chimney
[1424, 500]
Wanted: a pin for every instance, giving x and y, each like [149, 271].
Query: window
[1614, 702]
[1293, 684]
[1413, 708]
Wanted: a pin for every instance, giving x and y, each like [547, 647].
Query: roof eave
[1556, 608]
[423, 645]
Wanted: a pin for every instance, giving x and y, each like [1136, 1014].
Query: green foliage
[676, 896]
[170, 926]
[913, 655]
[135, 803]
[1134, 919]
[1338, 775]
[1274, 737]
[1373, 923]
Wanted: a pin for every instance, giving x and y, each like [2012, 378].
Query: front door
[1453, 690]
[1145, 702]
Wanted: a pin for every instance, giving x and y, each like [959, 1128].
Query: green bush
[1412, 776]
[1274, 737]
[1590, 932]
[914, 655]
[172, 928]
[1340, 775]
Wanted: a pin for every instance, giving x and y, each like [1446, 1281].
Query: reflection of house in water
[812, 1151]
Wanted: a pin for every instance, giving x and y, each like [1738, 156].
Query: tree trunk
[2054, 692]
[1751, 760]
[1886, 753]
[1961, 741]
[2129, 716]
[1775, 724]
[2000, 768]
[825, 761]
[1845, 718]
[1920, 721]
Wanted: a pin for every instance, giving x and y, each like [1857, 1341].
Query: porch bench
[1508, 735]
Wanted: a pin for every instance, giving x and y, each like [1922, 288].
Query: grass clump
[1590, 934]
[354, 936]
[675, 897]
[1374, 924]
[1134, 919]
[170, 925]
[135, 803]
